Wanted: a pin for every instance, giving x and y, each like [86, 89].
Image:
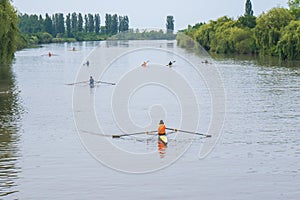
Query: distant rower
[92, 82]
[171, 63]
[87, 63]
[144, 64]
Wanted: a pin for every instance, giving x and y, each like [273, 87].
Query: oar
[174, 129]
[145, 132]
[106, 82]
[77, 83]
[97, 134]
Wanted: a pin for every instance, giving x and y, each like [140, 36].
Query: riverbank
[274, 33]
[35, 40]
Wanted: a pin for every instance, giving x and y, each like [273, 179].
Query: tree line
[8, 31]
[148, 34]
[72, 25]
[19, 31]
[275, 33]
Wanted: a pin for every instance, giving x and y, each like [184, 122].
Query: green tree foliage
[44, 37]
[123, 23]
[68, 25]
[190, 31]
[91, 23]
[294, 6]
[205, 34]
[80, 23]
[275, 33]
[143, 35]
[41, 24]
[97, 23]
[248, 8]
[114, 24]
[126, 23]
[108, 21]
[221, 42]
[242, 40]
[268, 29]
[58, 24]
[289, 45]
[48, 24]
[247, 21]
[86, 23]
[170, 24]
[30, 24]
[74, 23]
[8, 31]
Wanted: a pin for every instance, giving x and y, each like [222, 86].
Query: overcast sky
[150, 13]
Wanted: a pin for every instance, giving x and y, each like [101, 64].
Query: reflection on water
[268, 61]
[9, 138]
[161, 149]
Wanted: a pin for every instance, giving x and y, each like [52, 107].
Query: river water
[256, 156]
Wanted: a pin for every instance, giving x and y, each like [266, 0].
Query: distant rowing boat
[95, 82]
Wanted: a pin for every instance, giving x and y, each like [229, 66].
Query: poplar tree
[97, 23]
[248, 8]
[86, 23]
[170, 24]
[48, 24]
[108, 20]
[68, 25]
[114, 24]
[80, 23]
[74, 23]
[91, 27]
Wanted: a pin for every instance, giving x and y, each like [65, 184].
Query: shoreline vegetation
[274, 33]
[76, 27]
[72, 27]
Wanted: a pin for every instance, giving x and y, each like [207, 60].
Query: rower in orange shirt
[144, 64]
[162, 132]
[161, 128]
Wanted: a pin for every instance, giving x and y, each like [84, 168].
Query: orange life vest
[161, 129]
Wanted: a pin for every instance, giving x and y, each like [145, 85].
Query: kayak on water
[170, 63]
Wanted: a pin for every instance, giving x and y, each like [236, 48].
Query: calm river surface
[42, 156]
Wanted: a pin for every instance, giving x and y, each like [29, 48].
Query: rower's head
[161, 122]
